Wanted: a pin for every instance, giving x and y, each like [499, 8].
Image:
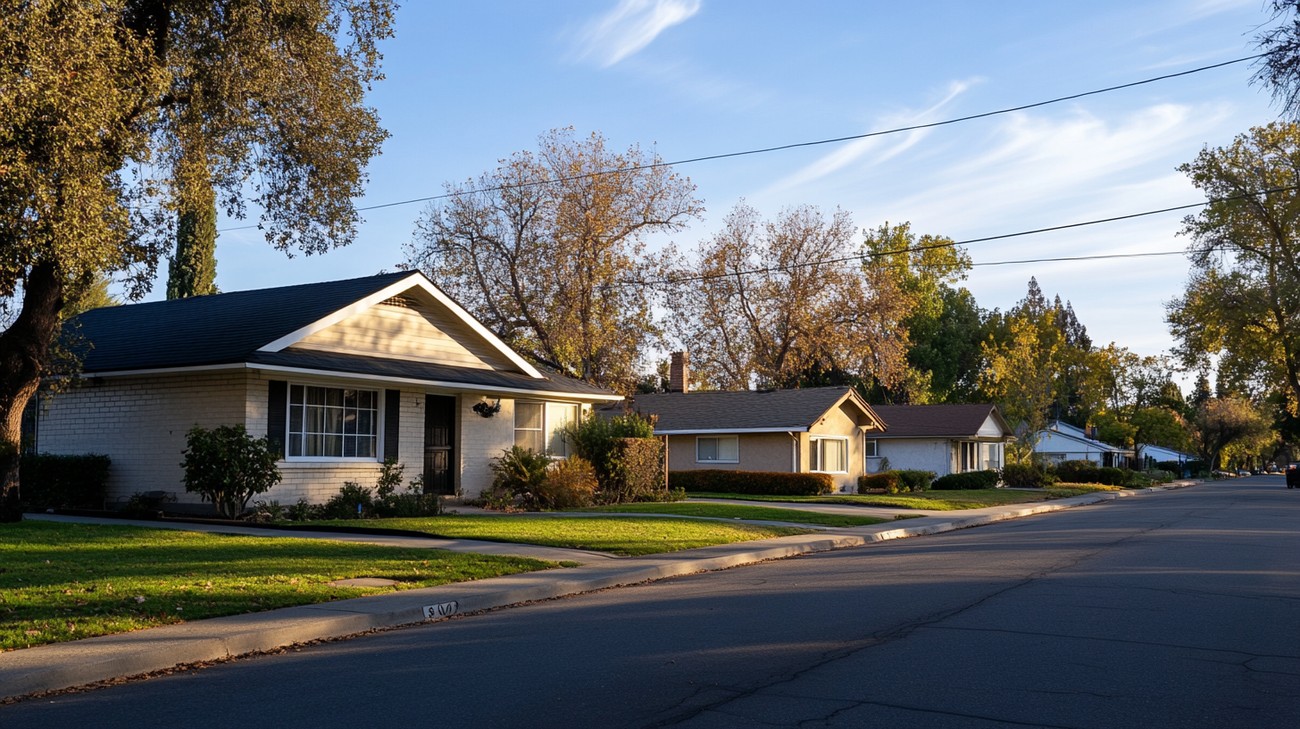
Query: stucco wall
[769, 452]
[921, 455]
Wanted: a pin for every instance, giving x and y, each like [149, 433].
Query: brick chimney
[679, 376]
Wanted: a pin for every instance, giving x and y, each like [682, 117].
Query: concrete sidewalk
[65, 665]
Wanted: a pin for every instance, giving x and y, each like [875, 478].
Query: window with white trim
[332, 422]
[539, 426]
[830, 455]
[969, 456]
[871, 448]
[717, 449]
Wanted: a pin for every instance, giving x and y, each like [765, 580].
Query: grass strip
[62, 582]
[625, 536]
[741, 511]
[929, 500]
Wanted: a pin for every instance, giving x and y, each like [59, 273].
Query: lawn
[62, 582]
[740, 511]
[626, 536]
[932, 500]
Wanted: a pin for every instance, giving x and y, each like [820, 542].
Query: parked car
[1293, 475]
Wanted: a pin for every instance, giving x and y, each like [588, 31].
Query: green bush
[353, 501]
[752, 482]
[516, 475]
[389, 502]
[569, 484]
[627, 456]
[1089, 472]
[968, 481]
[227, 466]
[886, 481]
[51, 481]
[1027, 476]
[914, 480]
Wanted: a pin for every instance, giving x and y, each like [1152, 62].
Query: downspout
[794, 451]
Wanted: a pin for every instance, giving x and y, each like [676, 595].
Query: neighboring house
[1060, 442]
[814, 430]
[943, 439]
[338, 375]
[1149, 455]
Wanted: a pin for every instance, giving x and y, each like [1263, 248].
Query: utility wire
[794, 145]
[673, 281]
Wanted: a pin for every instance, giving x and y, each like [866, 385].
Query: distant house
[338, 375]
[813, 430]
[943, 439]
[1149, 455]
[1060, 442]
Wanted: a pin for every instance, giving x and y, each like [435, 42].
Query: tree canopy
[548, 250]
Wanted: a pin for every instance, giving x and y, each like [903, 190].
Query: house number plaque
[441, 610]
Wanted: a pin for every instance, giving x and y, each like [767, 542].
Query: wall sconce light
[487, 409]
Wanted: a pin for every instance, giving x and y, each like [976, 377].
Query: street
[1177, 609]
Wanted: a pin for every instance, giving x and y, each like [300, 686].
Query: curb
[93, 660]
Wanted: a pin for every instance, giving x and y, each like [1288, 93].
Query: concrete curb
[83, 662]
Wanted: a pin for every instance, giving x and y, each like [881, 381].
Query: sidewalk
[65, 665]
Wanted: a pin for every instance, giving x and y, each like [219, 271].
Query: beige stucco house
[338, 375]
[813, 430]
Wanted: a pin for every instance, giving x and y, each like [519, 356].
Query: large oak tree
[100, 103]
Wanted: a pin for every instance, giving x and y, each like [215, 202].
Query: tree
[1280, 69]
[1020, 372]
[192, 271]
[99, 100]
[1242, 303]
[776, 304]
[1226, 422]
[547, 251]
[227, 466]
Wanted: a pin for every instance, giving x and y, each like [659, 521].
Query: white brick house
[339, 375]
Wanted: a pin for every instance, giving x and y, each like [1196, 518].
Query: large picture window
[333, 422]
[539, 426]
[717, 449]
[830, 455]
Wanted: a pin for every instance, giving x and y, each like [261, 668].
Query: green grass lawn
[626, 536]
[62, 582]
[740, 511]
[932, 500]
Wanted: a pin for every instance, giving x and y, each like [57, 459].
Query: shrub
[752, 482]
[967, 481]
[516, 475]
[1089, 472]
[63, 482]
[914, 480]
[227, 466]
[625, 453]
[353, 501]
[389, 502]
[569, 484]
[1027, 476]
[886, 481]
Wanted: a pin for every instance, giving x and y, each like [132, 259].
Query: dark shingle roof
[230, 328]
[934, 421]
[746, 410]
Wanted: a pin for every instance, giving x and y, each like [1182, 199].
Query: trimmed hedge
[915, 480]
[63, 482]
[969, 481]
[752, 482]
[1089, 472]
[1026, 476]
[636, 472]
[886, 481]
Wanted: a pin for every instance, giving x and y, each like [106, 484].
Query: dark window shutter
[392, 422]
[277, 409]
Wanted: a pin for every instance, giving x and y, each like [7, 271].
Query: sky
[468, 84]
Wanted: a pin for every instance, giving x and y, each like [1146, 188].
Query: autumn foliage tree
[549, 251]
[98, 103]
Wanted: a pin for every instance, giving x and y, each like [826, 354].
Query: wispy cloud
[630, 27]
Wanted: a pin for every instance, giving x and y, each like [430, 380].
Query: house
[1149, 455]
[942, 439]
[1060, 442]
[338, 375]
[813, 430]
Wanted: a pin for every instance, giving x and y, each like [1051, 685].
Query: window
[969, 456]
[332, 422]
[830, 455]
[871, 447]
[717, 449]
[530, 431]
[538, 426]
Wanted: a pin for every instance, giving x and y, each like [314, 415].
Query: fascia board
[729, 431]
[415, 280]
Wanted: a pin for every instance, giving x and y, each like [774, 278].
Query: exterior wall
[920, 454]
[1052, 446]
[403, 332]
[141, 422]
[841, 422]
[770, 452]
[481, 439]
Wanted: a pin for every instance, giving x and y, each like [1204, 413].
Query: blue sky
[470, 83]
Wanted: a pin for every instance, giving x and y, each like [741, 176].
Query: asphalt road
[1180, 609]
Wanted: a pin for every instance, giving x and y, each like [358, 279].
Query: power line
[952, 244]
[795, 145]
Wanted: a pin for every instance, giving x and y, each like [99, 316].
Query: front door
[439, 444]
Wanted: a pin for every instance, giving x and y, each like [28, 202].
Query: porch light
[487, 409]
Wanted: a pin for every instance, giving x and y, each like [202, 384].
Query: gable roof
[940, 421]
[258, 328]
[745, 411]
[1074, 433]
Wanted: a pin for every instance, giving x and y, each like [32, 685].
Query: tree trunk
[24, 352]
